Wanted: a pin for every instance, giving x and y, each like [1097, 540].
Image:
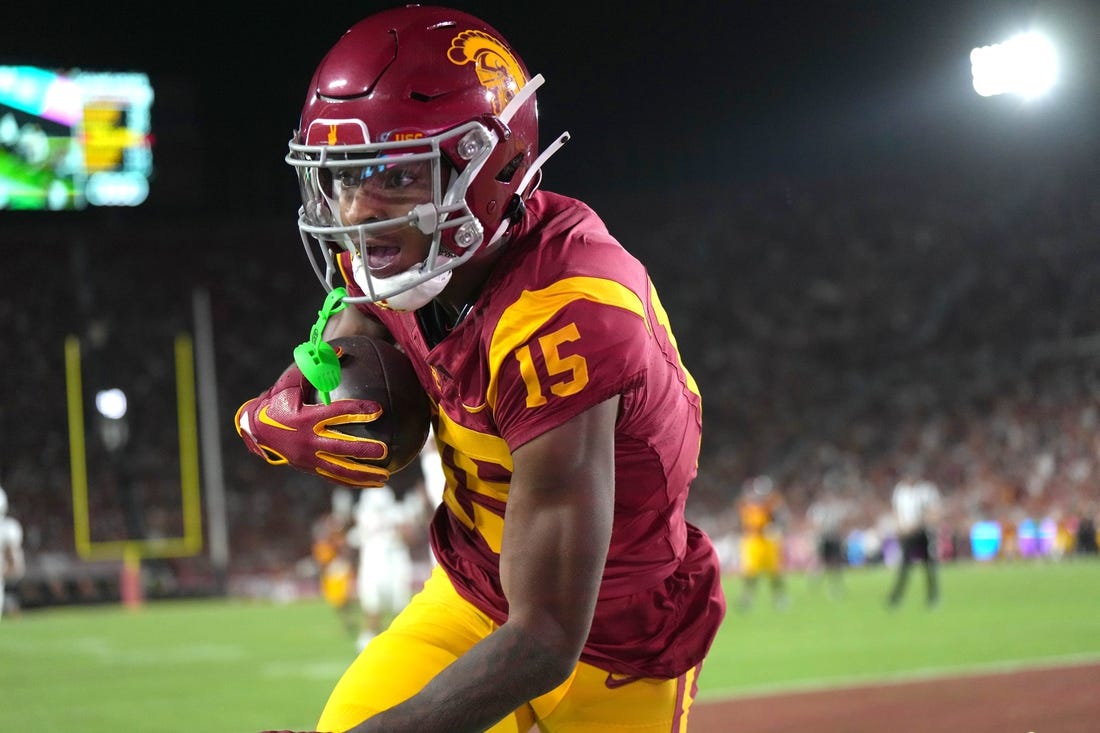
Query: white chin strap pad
[408, 299]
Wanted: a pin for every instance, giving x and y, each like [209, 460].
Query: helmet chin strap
[526, 181]
[506, 116]
[410, 299]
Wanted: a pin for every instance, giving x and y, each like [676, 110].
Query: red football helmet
[418, 84]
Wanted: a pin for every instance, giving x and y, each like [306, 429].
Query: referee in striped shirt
[917, 506]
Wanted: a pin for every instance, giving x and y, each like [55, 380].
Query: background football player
[762, 514]
[12, 561]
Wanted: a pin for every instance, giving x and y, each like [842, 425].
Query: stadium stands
[838, 327]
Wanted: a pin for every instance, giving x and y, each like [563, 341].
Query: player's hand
[283, 429]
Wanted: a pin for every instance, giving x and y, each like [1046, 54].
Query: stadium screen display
[69, 140]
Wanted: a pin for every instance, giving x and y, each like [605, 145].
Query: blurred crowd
[861, 328]
[841, 328]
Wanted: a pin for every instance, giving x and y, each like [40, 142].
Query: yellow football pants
[760, 555]
[438, 626]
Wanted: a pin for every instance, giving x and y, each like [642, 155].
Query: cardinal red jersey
[567, 320]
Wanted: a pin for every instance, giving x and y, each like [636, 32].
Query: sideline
[1064, 661]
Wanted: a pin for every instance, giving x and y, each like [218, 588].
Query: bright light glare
[111, 403]
[1025, 65]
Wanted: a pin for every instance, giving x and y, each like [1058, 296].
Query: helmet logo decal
[400, 136]
[332, 131]
[497, 69]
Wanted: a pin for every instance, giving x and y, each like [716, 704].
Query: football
[372, 369]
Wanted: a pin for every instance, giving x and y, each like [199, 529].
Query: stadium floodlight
[111, 403]
[113, 428]
[1025, 65]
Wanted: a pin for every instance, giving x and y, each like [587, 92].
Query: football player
[382, 535]
[12, 562]
[332, 555]
[762, 513]
[569, 591]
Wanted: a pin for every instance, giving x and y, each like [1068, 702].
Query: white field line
[903, 677]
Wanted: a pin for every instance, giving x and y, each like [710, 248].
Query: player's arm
[556, 535]
[557, 531]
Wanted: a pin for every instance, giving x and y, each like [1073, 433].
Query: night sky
[653, 93]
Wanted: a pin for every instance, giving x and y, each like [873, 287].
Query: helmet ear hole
[508, 172]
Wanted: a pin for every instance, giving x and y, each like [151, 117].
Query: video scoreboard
[69, 140]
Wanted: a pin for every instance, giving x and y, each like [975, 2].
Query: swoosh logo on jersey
[441, 375]
[268, 420]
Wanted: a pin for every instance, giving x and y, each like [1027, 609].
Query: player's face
[377, 193]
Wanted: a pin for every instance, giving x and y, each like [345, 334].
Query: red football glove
[281, 428]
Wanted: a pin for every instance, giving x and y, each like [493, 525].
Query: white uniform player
[11, 548]
[383, 530]
[385, 578]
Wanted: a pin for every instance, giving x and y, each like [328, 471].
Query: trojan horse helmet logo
[497, 69]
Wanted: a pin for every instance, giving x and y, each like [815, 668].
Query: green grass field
[242, 667]
[992, 617]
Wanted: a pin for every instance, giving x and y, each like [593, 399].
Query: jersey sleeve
[562, 349]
